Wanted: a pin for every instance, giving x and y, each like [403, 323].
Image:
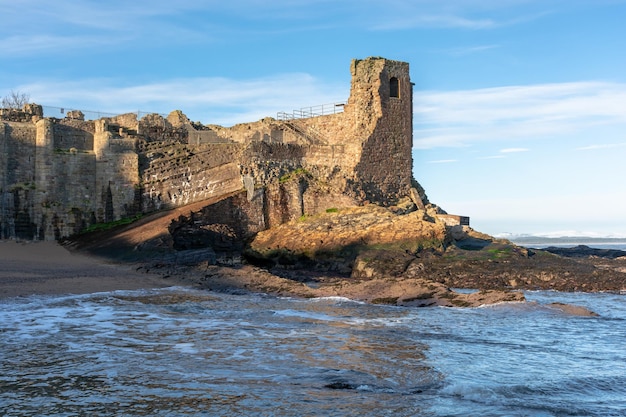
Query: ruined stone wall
[116, 174]
[18, 146]
[59, 176]
[342, 159]
[369, 145]
[267, 130]
[116, 186]
[297, 179]
[17, 183]
[66, 205]
[175, 174]
[29, 113]
[53, 183]
[73, 136]
[64, 200]
[384, 171]
[128, 121]
[155, 128]
[354, 155]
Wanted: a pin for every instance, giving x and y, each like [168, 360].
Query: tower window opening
[394, 87]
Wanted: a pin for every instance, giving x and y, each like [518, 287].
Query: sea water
[177, 351]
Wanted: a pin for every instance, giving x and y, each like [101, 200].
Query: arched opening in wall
[394, 87]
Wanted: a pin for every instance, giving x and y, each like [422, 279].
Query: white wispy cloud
[114, 14]
[434, 21]
[514, 150]
[24, 45]
[42, 27]
[443, 161]
[601, 146]
[457, 14]
[462, 118]
[469, 50]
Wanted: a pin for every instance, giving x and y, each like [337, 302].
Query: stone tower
[371, 141]
[381, 108]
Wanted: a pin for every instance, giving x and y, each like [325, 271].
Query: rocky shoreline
[584, 251]
[397, 256]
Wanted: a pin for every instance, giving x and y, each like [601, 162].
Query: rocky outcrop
[373, 243]
[385, 290]
[502, 265]
[368, 253]
[573, 310]
[333, 240]
[583, 251]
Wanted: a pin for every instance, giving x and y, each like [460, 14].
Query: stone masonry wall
[175, 174]
[51, 178]
[17, 183]
[384, 171]
[77, 136]
[63, 202]
[371, 141]
[116, 174]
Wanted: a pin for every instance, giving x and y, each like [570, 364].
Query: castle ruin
[60, 176]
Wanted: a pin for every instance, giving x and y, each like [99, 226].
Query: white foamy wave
[471, 391]
[501, 304]
[304, 315]
[336, 299]
[186, 347]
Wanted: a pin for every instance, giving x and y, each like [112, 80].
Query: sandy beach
[28, 268]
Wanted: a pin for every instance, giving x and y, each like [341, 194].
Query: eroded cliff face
[350, 230]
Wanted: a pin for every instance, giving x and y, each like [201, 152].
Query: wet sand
[47, 268]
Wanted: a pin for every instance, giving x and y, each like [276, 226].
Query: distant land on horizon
[528, 240]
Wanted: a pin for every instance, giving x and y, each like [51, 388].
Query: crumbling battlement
[59, 176]
[30, 113]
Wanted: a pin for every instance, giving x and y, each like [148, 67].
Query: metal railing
[302, 113]
[312, 111]
[61, 112]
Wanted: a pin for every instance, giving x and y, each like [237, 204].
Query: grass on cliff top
[100, 227]
[293, 174]
[493, 252]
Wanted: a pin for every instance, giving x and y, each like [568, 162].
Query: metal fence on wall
[312, 111]
[61, 112]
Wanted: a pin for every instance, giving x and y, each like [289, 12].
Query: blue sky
[519, 105]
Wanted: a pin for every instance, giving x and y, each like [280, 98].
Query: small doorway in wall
[394, 87]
